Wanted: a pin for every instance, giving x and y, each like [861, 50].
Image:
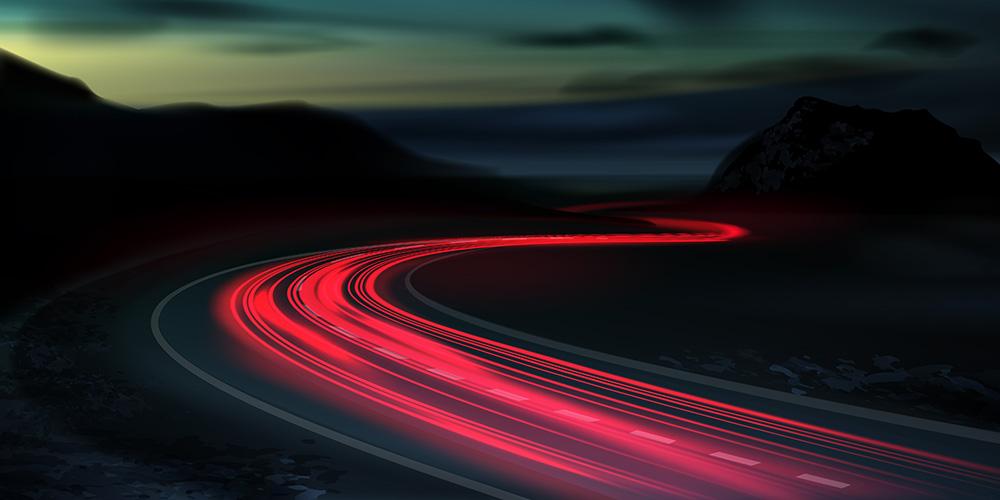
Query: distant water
[549, 141]
[576, 160]
[586, 186]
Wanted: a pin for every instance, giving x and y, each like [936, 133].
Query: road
[330, 342]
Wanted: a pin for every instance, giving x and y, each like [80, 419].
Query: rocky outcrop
[827, 149]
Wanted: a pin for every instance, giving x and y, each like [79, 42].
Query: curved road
[326, 341]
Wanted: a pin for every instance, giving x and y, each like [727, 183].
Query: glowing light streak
[325, 316]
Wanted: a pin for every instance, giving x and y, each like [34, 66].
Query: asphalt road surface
[337, 343]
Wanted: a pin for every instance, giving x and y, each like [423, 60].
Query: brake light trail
[567, 427]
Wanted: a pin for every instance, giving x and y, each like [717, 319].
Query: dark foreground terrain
[819, 306]
[887, 311]
[91, 407]
[877, 302]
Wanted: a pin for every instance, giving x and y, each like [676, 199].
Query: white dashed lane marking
[652, 437]
[508, 395]
[345, 332]
[733, 458]
[577, 416]
[824, 481]
[387, 352]
[448, 375]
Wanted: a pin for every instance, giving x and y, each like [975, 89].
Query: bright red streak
[572, 426]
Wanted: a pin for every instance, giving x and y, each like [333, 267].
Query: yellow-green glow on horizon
[391, 70]
[400, 53]
[161, 69]
[679, 81]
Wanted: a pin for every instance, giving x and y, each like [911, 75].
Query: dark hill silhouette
[91, 183]
[53, 125]
[824, 149]
[24, 84]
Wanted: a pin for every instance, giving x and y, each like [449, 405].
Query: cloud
[923, 41]
[253, 28]
[404, 87]
[97, 28]
[125, 17]
[209, 10]
[765, 72]
[696, 9]
[598, 36]
[287, 45]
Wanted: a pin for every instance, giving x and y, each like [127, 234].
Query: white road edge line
[881, 416]
[822, 480]
[737, 387]
[733, 458]
[303, 423]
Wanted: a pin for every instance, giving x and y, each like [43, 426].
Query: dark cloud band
[926, 41]
[763, 72]
[598, 36]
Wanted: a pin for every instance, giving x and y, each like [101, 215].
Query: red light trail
[560, 427]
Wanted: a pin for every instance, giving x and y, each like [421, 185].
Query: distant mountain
[23, 84]
[53, 125]
[821, 148]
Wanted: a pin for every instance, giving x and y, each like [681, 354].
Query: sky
[535, 87]
[433, 53]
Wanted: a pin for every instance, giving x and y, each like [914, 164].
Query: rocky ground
[71, 425]
[883, 381]
[71, 429]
